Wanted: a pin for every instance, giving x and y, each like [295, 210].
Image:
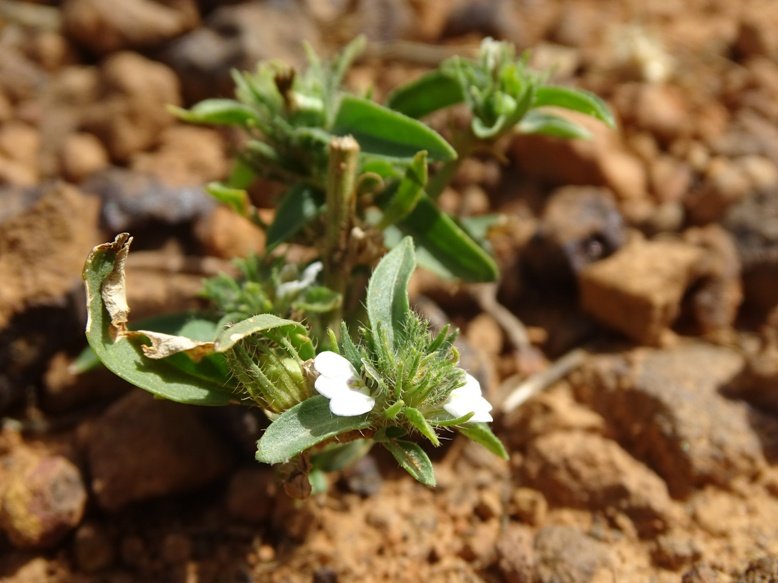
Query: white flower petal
[339, 382]
[310, 273]
[351, 403]
[288, 288]
[469, 399]
[331, 387]
[307, 277]
[332, 364]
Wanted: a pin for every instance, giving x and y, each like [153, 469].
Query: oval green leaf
[412, 458]
[387, 292]
[384, 132]
[217, 112]
[482, 435]
[429, 93]
[303, 426]
[451, 248]
[548, 124]
[299, 206]
[104, 266]
[574, 100]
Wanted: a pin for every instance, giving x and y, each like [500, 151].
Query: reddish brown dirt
[655, 460]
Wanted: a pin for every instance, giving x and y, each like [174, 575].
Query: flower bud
[270, 375]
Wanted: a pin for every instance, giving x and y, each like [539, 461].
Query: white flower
[469, 399]
[340, 383]
[308, 276]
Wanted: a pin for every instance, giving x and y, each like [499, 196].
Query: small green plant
[336, 359]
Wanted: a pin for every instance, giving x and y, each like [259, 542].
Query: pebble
[105, 27]
[666, 409]
[564, 554]
[638, 291]
[43, 501]
[180, 452]
[585, 470]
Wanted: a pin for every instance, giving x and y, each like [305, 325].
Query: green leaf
[402, 199]
[303, 426]
[385, 132]
[318, 299]
[105, 332]
[217, 112]
[574, 100]
[482, 435]
[387, 292]
[298, 207]
[413, 460]
[264, 324]
[235, 198]
[548, 124]
[417, 419]
[431, 92]
[456, 253]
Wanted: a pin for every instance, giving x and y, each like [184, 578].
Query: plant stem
[465, 145]
[341, 208]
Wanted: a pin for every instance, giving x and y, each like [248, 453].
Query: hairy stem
[341, 208]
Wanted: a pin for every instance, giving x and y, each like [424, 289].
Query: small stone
[93, 548]
[700, 573]
[754, 225]
[105, 27]
[756, 36]
[43, 268]
[43, 501]
[725, 183]
[673, 551]
[564, 554]
[204, 57]
[660, 109]
[718, 292]
[489, 505]
[185, 155]
[251, 494]
[131, 112]
[579, 226]
[131, 200]
[20, 143]
[480, 543]
[670, 179]
[528, 506]
[638, 291]
[82, 154]
[515, 554]
[224, 233]
[665, 407]
[763, 570]
[585, 470]
[180, 452]
[601, 161]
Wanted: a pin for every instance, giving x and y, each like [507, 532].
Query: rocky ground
[651, 252]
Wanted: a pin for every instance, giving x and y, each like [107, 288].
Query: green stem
[465, 145]
[341, 209]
